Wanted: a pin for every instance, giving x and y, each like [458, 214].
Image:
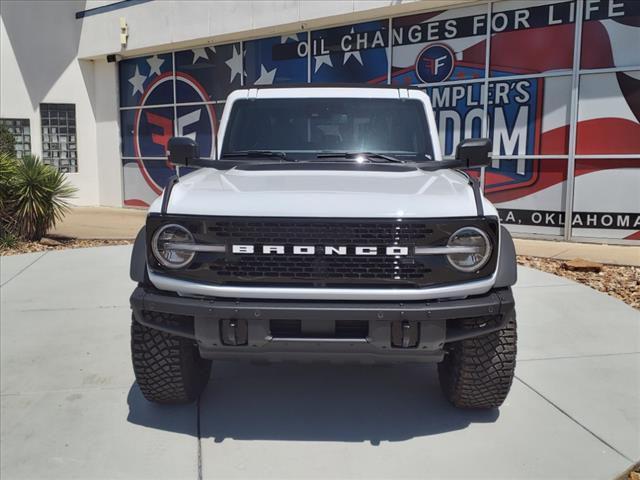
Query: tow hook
[405, 334]
[233, 331]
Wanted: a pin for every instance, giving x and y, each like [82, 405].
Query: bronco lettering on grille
[314, 250]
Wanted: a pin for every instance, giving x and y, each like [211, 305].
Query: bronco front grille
[318, 270]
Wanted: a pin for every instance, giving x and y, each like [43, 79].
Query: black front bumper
[385, 331]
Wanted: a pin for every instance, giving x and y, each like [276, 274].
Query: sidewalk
[124, 223]
[103, 223]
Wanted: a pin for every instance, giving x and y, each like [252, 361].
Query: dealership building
[96, 88]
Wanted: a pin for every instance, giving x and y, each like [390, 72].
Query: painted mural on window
[608, 124]
[146, 81]
[439, 46]
[351, 54]
[208, 74]
[609, 113]
[616, 181]
[610, 27]
[276, 60]
[523, 104]
[201, 80]
[531, 37]
[527, 121]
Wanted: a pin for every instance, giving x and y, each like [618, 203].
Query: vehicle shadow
[316, 402]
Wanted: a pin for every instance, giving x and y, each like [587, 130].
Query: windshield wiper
[354, 155]
[259, 154]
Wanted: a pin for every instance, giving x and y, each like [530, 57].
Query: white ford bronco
[326, 227]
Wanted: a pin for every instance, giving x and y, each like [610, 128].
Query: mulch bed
[619, 281]
[58, 243]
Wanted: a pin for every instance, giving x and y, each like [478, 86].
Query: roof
[337, 90]
[331, 85]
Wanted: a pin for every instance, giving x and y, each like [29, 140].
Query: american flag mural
[275, 60]
[351, 54]
[504, 69]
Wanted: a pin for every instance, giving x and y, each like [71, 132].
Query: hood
[322, 193]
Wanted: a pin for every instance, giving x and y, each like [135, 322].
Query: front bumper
[225, 328]
[188, 288]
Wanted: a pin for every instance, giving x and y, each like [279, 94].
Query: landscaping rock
[581, 265]
[50, 242]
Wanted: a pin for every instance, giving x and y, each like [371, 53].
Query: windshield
[306, 127]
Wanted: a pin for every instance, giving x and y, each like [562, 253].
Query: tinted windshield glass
[304, 127]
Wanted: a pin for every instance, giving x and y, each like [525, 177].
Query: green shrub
[7, 240]
[8, 166]
[36, 197]
[7, 142]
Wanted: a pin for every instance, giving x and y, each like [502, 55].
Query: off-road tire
[477, 372]
[168, 368]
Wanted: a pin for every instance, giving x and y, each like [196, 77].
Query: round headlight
[472, 249]
[166, 245]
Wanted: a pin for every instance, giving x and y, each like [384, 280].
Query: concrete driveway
[70, 407]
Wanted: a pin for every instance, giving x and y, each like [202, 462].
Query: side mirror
[474, 152]
[183, 151]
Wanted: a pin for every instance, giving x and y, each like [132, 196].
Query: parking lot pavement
[70, 407]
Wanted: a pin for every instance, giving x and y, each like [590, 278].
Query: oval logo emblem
[435, 63]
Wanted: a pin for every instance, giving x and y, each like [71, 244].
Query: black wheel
[477, 372]
[168, 368]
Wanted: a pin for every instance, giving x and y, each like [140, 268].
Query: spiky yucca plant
[8, 167]
[39, 197]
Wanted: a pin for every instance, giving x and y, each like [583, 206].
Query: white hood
[332, 194]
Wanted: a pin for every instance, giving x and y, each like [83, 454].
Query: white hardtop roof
[327, 92]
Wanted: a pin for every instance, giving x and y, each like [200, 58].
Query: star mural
[292, 36]
[155, 63]
[235, 64]
[199, 53]
[138, 82]
[322, 60]
[266, 77]
[355, 54]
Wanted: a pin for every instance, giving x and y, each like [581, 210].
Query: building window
[59, 145]
[21, 131]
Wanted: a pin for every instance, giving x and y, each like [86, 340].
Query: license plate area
[339, 329]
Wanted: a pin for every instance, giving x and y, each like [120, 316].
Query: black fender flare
[138, 267]
[507, 264]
